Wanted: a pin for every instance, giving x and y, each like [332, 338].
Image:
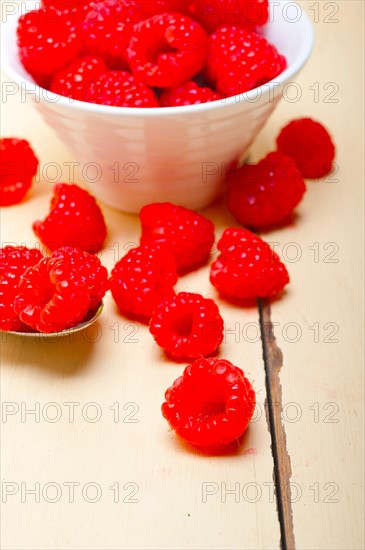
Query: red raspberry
[187, 326]
[264, 194]
[248, 14]
[247, 267]
[47, 41]
[75, 219]
[62, 5]
[240, 60]
[309, 143]
[155, 7]
[15, 260]
[211, 404]
[187, 94]
[13, 263]
[188, 235]
[121, 89]
[73, 10]
[90, 270]
[167, 50]
[75, 79]
[18, 165]
[141, 280]
[108, 28]
[51, 296]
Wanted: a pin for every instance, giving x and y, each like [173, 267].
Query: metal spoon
[66, 332]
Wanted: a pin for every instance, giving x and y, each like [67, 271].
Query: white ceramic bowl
[178, 154]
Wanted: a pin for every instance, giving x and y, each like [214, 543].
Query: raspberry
[211, 404]
[141, 280]
[108, 28]
[310, 145]
[167, 50]
[18, 165]
[264, 194]
[75, 79]
[73, 10]
[75, 219]
[62, 5]
[248, 14]
[187, 94]
[47, 41]
[240, 60]
[155, 7]
[121, 89]
[51, 296]
[13, 263]
[247, 268]
[187, 326]
[90, 270]
[16, 259]
[188, 235]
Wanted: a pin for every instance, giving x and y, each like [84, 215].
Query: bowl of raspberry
[162, 96]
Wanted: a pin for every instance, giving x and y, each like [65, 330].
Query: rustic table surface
[88, 461]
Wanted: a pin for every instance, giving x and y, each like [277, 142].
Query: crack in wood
[273, 361]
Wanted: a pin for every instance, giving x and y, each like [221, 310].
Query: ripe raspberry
[141, 280]
[188, 235]
[75, 219]
[108, 28]
[247, 267]
[187, 326]
[18, 166]
[47, 41]
[51, 296]
[13, 263]
[121, 89]
[73, 10]
[211, 404]
[75, 79]
[90, 270]
[310, 145]
[240, 60]
[187, 94]
[248, 14]
[264, 194]
[62, 5]
[167, 50]
[155, 7]
[16, 259]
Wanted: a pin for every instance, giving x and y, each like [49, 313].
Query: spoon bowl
[87, 322]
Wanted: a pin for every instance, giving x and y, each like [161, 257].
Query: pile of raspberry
[48, 293]
[56, 290]
[148, 53]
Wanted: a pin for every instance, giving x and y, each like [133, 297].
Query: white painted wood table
[87, 460]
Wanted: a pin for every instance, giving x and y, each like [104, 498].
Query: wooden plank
[318, 323]
[185, 500]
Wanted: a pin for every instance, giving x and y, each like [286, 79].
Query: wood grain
[183, 499]
[273, 359]
[318, 323]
